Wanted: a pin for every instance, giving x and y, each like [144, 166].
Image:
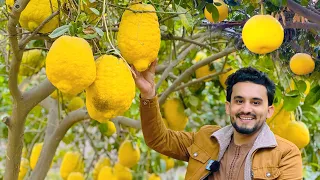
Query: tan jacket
[271, 157]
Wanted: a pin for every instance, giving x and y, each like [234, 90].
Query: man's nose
[246, 107]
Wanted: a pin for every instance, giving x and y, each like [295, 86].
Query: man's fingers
[153, 66]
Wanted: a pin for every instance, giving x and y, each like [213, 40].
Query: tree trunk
[15, 144]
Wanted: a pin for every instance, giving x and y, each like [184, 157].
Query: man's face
[248, 107]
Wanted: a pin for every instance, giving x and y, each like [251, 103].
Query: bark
[309, 14]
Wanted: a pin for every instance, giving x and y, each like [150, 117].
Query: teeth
[247, 118]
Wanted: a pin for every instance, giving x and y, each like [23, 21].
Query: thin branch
[127, 122]
[26, 39]
[299, 25]
[202, 79]
[190, 70]
[309, 14]
[167, 18]
[39, 93]
[143, 11]
[171, 37]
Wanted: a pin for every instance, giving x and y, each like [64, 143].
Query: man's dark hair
[249, 74]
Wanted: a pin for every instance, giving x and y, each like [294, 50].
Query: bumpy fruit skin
[112, 92]
[75, 176]
[104, 161]
[139, 36]
[122, 172]
[36, 12]
[24, 166]
[70, 65]
[222, 9]
[35, 153]
[72, 162]
[128, 155]
[106, 171]
[174, 114]
[262, 34]
[302, 64]
[32, 62]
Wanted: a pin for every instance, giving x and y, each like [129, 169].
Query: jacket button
[145, 102]
[268, 174]
[195, 154]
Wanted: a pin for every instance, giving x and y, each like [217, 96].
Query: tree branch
[37, 94]
[202, 79]
[299, 25]
[190, 70]
[26, 39]
[127, 122]
[309, 14]
[50, 146]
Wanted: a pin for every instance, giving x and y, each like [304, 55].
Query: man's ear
[270, 111]
[227, 105]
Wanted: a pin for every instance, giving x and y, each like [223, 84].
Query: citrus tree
[69, 106]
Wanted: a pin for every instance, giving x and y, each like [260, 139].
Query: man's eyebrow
[258, 99]
[238, 97]
[255, 98]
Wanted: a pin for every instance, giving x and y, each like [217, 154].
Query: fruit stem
[261, 7]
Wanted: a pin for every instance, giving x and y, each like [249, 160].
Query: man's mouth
[246, 117]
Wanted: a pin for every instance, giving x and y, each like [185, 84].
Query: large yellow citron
[36, 12]
[24, 166]
[122, 172]
[139, 36]
[174, 114]
[71, 162]
[70, 65]
[298, 133]
[35, 153]
[222, 9]
[32, 62]
[75, 176]
[262, 34]
[112, 92]
[103, 161]
[128, 154]
[302, 64]
[106, 172]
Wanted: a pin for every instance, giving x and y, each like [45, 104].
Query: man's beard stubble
[243, 130]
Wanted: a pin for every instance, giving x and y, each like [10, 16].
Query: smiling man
[247, 149]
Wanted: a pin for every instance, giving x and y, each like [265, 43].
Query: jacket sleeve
[291, 164]
[165, 141]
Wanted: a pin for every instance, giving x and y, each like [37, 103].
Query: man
[247, 149]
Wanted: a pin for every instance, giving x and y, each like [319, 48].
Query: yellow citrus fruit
[24, 166]
[63, 96]
[222, 9]
[70, 65]
[112, 92]
[122, 172]
[302, 64]
[154, 177]
[71, 162]
[75, 176]
[35, 153]
[139, 36]
[224, 77]
[75, 103]
[298, 133]
[262, 34]
[204, 70]
[174, 114]
[32, 62]
[106, 172]
[36, 12]
[111, 128]
[103, 161]
[128, 154]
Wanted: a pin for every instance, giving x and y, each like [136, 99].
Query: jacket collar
[265, 138]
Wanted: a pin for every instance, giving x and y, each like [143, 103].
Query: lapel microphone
[213, 166]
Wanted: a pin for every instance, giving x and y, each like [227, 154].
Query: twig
[143, 11]
[299, 25]
[202, 79]
[167, 18]
[26, 39]
[190, 70]
[170, 37]
[127, 122]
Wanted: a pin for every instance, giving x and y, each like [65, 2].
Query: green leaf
[217, 4]
[186, 19]
[313, 96]
[59, 31]
[201, 5]
[214, 12]
[99, 31]
[95, 11]
[293, 93]
[194, 101]
[88, 36]
[277, 3]
[291, 102]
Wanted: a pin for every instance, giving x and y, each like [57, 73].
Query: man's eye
[239, 101]
[256, 102]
